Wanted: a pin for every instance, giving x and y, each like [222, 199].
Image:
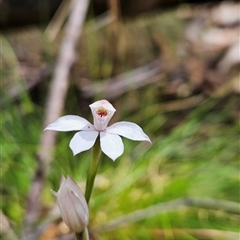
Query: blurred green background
[194, 133]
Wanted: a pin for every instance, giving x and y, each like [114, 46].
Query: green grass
[198, 157]
[195, 153]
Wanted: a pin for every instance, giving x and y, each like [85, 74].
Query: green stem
[92, 172]
[86, 234]
[96, 153]
[82, 235]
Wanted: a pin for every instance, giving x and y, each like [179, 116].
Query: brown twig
[5, 228]
[210, 234]
[116, 86]
[170, 206]
[54, 108]
[157, 209]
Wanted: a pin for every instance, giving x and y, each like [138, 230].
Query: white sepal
[70, 123]
[128, 130]
[72, 205]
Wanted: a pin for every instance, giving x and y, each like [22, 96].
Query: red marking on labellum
[102, 112]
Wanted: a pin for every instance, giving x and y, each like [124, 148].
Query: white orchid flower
[110, 140]
[72, 204]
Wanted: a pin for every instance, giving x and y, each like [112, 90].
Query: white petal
[70, 123]
[63, 179]
[102, 112]
[72, 185]
[79, 200]
[81, 208]
[111, 145]
[83, 141]
[129, 130]
[54, 193]
[68, 202]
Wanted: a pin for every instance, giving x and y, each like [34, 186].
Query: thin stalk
[92, 172]
[82, 235]
[96, 153]
[86, 234]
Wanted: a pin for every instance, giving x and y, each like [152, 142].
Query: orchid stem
[96, 153]
[82, 235]
[86, 234]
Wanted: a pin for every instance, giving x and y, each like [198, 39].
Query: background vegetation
[195, 133]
